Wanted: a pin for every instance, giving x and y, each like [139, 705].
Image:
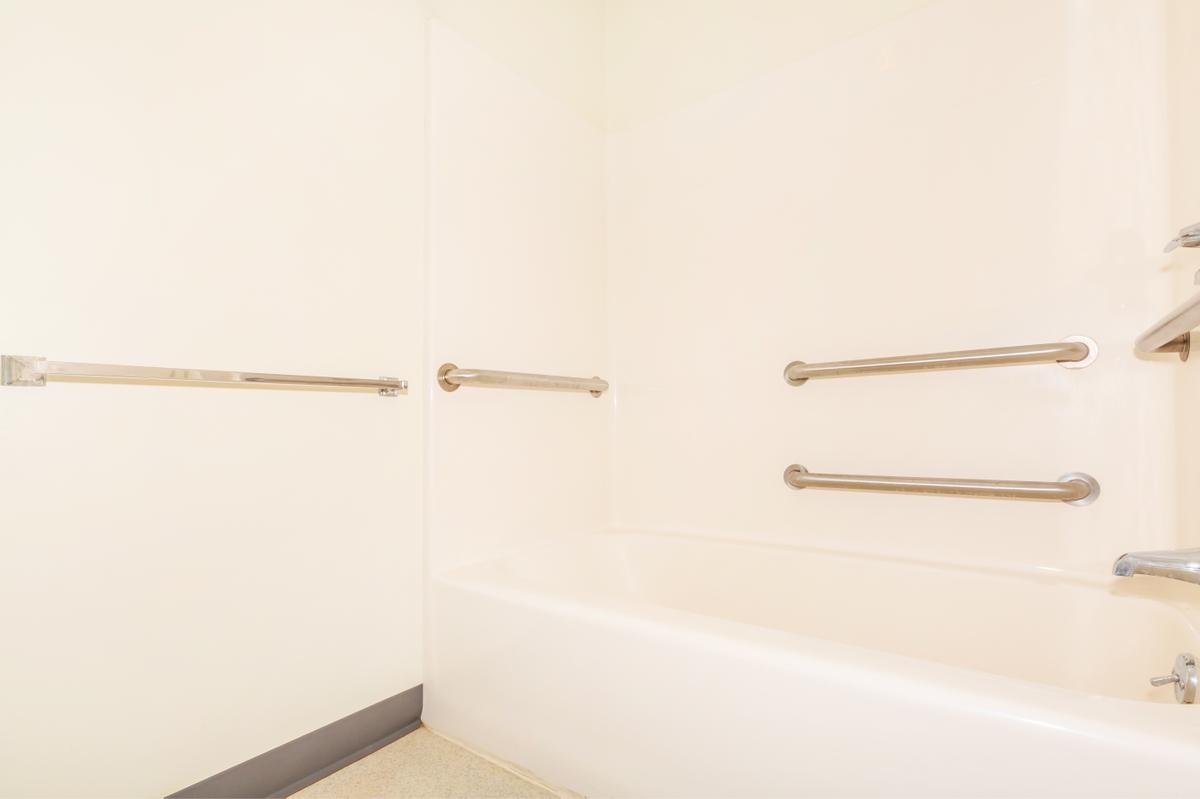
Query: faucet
[1188, 237]
[1178, 564]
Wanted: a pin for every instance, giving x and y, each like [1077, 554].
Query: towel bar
[27, 370]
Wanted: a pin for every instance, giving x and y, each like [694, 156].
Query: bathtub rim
[1037, 702]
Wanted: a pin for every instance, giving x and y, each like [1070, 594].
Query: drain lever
[1185, 677]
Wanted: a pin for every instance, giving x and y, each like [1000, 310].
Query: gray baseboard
[296, 764]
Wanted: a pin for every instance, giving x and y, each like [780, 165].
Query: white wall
[556, 46]
[663, 55]
[1183, 72]
[517, 283]
[968, 174]
[816, 181]
[193, 576]
[243, 185]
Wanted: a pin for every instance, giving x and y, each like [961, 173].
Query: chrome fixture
[450, 377]
[29, 370]
[1188, 237]
[1075, 352]
[1178, 564]
[1185, 677]
[1172, 333]
[1075, 488]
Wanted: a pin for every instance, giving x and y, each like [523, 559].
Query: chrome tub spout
[1178, 564]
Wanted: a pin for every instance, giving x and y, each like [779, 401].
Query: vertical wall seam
[427, 386]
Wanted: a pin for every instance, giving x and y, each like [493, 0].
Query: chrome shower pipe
[1075, 352]
[1172, 333]
[450, 377]
[1076, 488]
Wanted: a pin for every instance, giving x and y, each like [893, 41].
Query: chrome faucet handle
[1188, 237]
[1185, 677]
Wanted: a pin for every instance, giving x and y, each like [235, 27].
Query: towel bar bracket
[393, 391]
[22, 370]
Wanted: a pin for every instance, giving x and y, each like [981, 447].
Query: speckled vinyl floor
[423, 764]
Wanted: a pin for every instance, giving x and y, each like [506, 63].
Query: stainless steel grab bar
[1172, 333]
[450, 377]
[1075, 352]
[27, 370]
[1075, 488]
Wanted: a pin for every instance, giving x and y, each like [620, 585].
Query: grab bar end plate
[1093, 350]
[446, 385]
[787, 374]
[1091, 482]
[795, 468]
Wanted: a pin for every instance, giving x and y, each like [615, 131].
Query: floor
[424, 764]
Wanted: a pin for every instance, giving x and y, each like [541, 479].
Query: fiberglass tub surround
[913, 187]
[649, 664]
[1172, 334]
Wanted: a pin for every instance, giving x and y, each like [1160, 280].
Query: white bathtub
[629, 664]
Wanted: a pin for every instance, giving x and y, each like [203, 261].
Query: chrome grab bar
[1075, 352]
[450, 377]
[26, 370]
[1172, 333]
[1076, 488]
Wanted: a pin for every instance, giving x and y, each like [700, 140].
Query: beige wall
[194, 575]
[556, 46]
[244, 186]
[1183, 73]
[664, 55]
[517, 283]
[919, 186]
